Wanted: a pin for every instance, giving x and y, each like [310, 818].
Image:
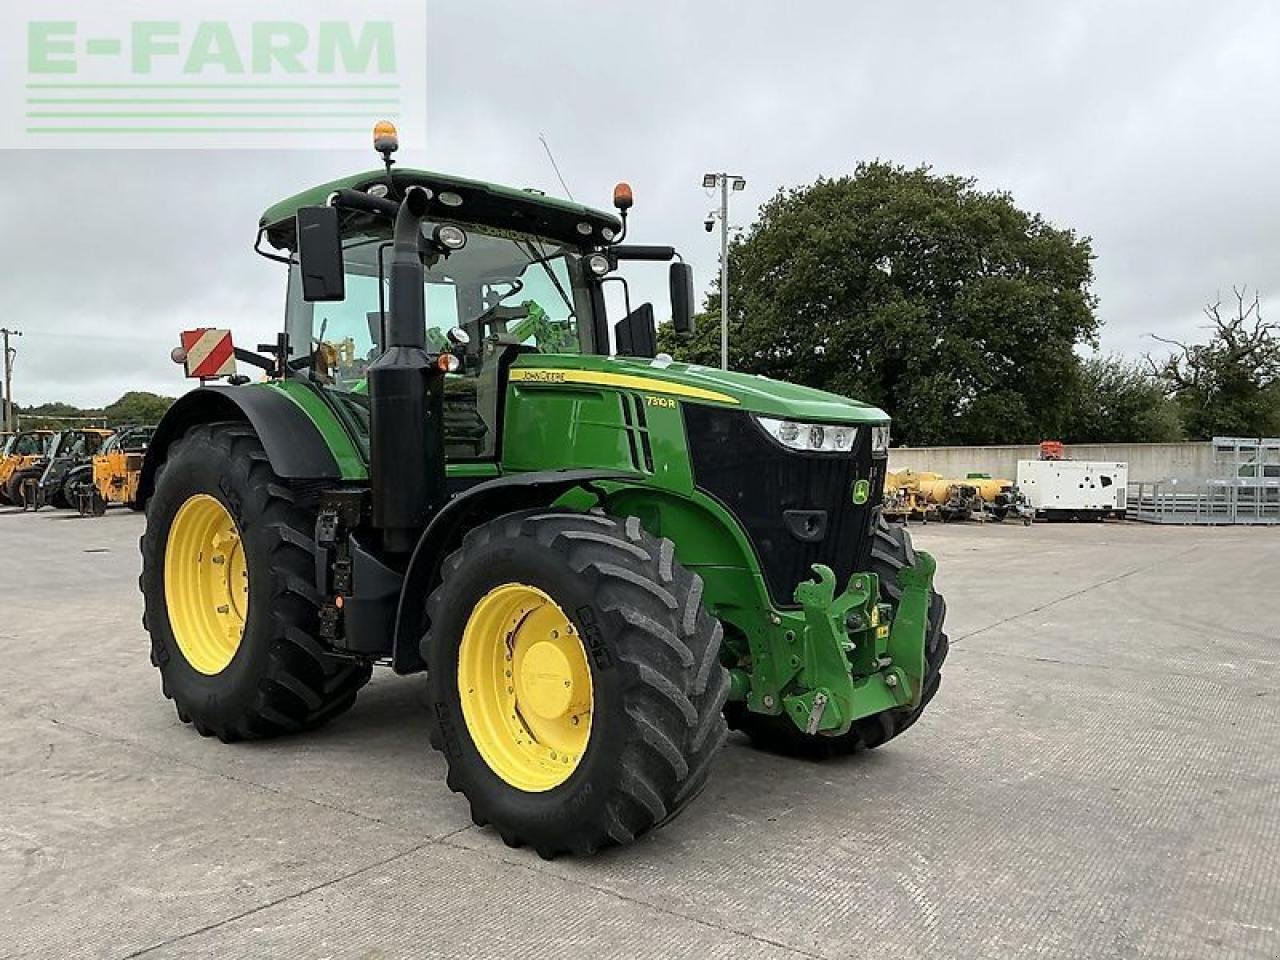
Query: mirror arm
[255, 359]
[626, 290]
[257, 248]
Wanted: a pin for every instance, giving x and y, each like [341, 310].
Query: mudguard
[484, 501]
[296, 448]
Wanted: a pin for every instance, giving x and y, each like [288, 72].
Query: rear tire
[279, 678]
[657, 688]
[891, 550]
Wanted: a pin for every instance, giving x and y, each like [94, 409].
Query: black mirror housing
[681, 280]
[320, 254]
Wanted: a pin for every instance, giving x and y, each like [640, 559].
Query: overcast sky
[1154, 128]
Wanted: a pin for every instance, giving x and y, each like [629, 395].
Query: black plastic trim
[773, 492]
[295, 447]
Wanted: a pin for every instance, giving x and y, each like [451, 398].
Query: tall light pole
[724, 181]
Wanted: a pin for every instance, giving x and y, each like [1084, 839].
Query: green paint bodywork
[852, 661]
[782, 660]
[761, 395]
[837, 655]
[345, 451]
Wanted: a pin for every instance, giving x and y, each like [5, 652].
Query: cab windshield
[503, 287]
[26, 445]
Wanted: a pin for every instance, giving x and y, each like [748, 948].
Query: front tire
[228, 574]
[891, 550]
[547, 617]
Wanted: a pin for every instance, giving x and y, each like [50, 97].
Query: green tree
[1117, 401]
[50, 416]
[137, 406]
[1229, 386]
[948, 306]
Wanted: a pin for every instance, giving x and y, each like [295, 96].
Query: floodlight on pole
[739, 183]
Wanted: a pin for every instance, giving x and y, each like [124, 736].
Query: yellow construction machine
[114, 473]
[21, 450]
[905, 498]
[911, 495]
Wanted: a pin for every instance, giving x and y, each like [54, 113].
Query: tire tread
[302, 685]
[668, 646]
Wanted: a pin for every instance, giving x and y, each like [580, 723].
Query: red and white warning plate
[209, 353]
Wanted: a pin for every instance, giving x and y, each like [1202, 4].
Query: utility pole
[9, 354]
[723, 180]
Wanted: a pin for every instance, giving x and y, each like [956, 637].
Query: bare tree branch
[1242, 346]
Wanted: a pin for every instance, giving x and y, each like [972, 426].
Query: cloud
[1147, 127]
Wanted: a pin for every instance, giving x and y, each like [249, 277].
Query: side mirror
[377, 335]
[681, 278]
[636, 334]
[320, 254]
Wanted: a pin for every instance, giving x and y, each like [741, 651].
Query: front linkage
[843, 657]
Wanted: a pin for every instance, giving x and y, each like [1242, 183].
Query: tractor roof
[487, 203]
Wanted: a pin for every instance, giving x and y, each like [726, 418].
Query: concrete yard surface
[1099, 777]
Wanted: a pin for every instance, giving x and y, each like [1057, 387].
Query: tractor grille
[783, 498]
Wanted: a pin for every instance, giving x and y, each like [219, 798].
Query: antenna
[554, 166]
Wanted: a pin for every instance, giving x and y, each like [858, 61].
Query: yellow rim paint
[623, 381]
[206, 584]
[525, 687]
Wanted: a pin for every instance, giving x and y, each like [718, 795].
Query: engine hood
[696, 383]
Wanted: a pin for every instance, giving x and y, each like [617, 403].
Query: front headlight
[811, 437]
[880, 440]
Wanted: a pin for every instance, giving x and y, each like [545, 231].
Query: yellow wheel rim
[206, 584]
[525, 687]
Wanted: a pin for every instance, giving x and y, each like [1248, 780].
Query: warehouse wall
[1147, 461]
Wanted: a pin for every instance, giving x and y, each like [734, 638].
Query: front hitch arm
[853, 665]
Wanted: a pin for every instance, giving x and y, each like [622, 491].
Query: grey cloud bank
[1149, 127]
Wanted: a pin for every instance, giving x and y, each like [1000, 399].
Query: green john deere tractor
[600, 557]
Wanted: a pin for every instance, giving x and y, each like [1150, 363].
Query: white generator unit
[1084, 488]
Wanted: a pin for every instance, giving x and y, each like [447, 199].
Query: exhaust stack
[406, 398]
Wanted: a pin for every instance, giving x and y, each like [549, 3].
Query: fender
[516, 491]
[295, 447]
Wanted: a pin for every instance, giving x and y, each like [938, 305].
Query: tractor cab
[505, 273]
